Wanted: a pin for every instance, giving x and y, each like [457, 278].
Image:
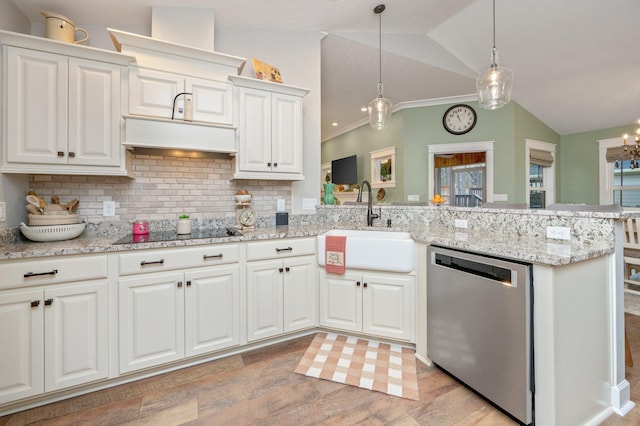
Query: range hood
[145, 132]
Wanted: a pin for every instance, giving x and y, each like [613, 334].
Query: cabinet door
[76, 335]
[386, 306]
[341, 301]
[151, 93]
[212, 100]
[22, 348]
[264, 299]
[254, 150]
[300, 293]
[286, 139]
[212, 309]
[94, 113]
[151, 316]
[36, 107]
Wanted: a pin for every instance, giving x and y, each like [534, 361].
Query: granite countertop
[525, 248]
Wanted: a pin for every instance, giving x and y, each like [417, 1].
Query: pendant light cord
[378, 11]
[380, 43]
[494, 24]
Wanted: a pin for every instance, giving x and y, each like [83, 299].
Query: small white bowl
[243, 198]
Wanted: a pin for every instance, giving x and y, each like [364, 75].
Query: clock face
[459, 119]
[248, 217]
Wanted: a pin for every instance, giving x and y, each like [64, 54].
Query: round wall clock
[248, 217]
[459, 119]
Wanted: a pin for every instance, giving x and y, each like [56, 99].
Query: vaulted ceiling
[575, 62]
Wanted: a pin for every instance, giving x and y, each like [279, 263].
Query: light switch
[108, 208]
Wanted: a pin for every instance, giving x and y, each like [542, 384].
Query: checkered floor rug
[367, 364]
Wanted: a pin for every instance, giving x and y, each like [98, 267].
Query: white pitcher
[59, 27]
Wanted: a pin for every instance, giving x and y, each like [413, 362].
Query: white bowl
[52, 232]
[243, 198]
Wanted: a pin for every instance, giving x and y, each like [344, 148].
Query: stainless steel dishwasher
[479, 325]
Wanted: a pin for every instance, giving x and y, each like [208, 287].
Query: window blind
[617, 153]
[540, 158]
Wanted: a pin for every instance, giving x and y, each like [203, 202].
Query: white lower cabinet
[165, 316]
[378, 304]
[281, 296]
[212, 302]
[52, 338]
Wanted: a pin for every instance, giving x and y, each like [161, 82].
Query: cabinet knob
[275, 164]
[72, 154]
[35, 303]
[189, 283]
[280, 269]
[60, 154]
[287, 269]
[364, 285]
[358, 283]
[269, 164]
[48, 302]
[179, 284]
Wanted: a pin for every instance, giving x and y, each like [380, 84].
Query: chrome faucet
[370, 214]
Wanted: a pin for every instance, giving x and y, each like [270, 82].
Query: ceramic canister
[61, 28]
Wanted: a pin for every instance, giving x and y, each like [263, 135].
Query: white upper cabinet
[62, 108]
[269, 130]
[152, 94]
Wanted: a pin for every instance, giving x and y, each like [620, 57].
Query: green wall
[412, 129]
[579, 164]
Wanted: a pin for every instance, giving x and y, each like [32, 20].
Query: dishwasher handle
[482, 269]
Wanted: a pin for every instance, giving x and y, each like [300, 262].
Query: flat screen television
[344, 171]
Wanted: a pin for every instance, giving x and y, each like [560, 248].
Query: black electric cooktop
[173, 236]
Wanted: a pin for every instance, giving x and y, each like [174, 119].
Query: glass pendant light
[379, 108]
[494, 86]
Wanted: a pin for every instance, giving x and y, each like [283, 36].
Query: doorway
[464, 171]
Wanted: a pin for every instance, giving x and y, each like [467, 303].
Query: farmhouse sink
[374, 250]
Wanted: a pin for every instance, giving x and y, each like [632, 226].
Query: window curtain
[540, 158]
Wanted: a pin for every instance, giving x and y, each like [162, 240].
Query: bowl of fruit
[437, 200]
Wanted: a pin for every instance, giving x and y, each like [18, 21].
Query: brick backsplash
[164, 187]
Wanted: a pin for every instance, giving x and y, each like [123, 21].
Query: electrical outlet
[559, 232]
[413, 198]
[500, 197]
[461, 223]
[108, 208]
[3, 211]
[309, 203]
[280, 205]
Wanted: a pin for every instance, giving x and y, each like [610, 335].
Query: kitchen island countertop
[524, 248]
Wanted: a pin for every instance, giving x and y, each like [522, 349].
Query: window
[459, 178]
[540, 159]
[466, 181]
[619, 182]
[383, 168]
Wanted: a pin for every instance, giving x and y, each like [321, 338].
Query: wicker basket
[52, 232]
[52, 219]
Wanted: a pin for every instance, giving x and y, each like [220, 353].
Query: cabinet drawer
[280, 248]
[185, 257]
[51, 270]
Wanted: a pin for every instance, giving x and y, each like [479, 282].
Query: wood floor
[260, 388]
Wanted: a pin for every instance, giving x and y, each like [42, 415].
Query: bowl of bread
[52, 221]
